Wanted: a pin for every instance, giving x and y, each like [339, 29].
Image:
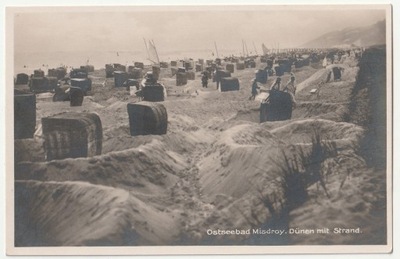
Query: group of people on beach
[290, 87]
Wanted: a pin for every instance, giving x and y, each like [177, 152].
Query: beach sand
[217, 168]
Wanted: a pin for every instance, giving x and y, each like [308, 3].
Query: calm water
[27, 62]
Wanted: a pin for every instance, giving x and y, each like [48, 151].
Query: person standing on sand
[254, 88]
[217, 77]
[204, 79]
[324, 63]
[290, 86]
[277, 84]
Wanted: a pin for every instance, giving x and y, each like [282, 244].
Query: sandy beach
[218, 177]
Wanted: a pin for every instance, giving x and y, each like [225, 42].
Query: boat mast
[154, 45]
[243, 47]
[254, 46]
[147, 49]
[216, 50]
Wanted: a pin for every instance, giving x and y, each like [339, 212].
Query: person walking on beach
[204, 79]
[324, 63]
[254, 88]
[290, 86]
[216, 77]
[277, 84]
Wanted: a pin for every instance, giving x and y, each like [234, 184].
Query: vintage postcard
[225, 129]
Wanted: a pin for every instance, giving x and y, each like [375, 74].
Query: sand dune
[301, 131]
[79, 213]
[216, 168]
[238, 161]
[141, 167]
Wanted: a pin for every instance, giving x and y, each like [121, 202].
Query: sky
[173, 28]
[31, 42]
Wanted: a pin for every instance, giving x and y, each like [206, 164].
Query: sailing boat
[264, 49]
[152, 54]
[255, 50]
[216, 49]
[245, 50]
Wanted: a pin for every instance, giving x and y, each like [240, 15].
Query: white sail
[264, 49]
[153, 52]
[255, 50]
[245, 50]
[147, 48]
[216, 49]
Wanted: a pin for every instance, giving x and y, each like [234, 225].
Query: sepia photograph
[226, 129]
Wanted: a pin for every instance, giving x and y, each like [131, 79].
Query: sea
[27, 62]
